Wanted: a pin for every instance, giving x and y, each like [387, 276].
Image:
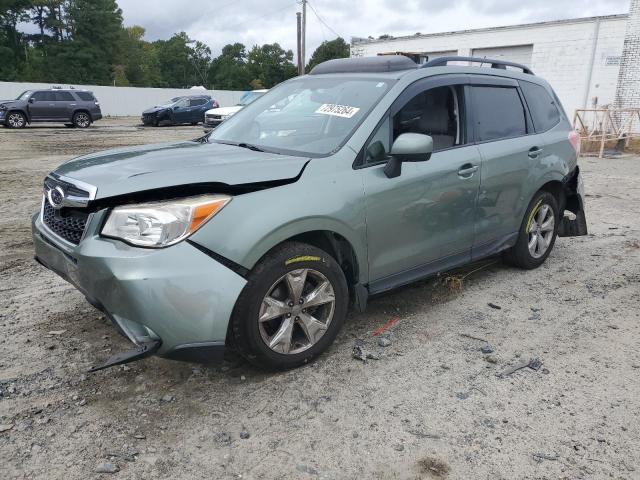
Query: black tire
[520, 255]
[81, 120]
[16, 120]
[244, 330]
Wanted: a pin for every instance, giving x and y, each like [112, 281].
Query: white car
[215, 116]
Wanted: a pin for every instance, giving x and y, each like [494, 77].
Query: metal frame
[499, 64]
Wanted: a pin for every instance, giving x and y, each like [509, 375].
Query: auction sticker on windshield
[343, 111]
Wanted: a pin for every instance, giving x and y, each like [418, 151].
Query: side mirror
[31, 100]
[408, 147]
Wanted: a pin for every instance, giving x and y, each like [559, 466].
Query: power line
[322, 21]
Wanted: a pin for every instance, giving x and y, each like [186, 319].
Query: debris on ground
[532, 363]
[384, 341]
[539, 457]
[494, 306]
[6, 427]
[391, 323]
[434, 467]
[107, 467]
[491, 359]
[244, 435]
[360, 352]
[486, 349]
[167, 398]
[466, 335]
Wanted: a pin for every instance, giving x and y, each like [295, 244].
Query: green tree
[328, 50]
[229, 70]
[270, 64]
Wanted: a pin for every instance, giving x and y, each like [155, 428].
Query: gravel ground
[433, 405]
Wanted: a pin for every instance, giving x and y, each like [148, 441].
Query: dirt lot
[432, 406]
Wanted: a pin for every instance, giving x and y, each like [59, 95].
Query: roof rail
[500, 64]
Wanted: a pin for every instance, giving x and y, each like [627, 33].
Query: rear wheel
[537, 234]
[16, 120]
[81, 120]
[291, 309]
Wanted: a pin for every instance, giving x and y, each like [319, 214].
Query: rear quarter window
[542, 106]
[498, 113]
[85, 96]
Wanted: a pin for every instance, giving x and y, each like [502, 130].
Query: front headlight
[160, 224]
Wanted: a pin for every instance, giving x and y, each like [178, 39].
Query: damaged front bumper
[177, 301]
[574, 225]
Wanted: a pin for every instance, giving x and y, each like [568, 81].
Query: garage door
[518, 54]
[432, 55]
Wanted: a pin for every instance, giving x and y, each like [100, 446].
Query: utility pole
[304, 33]
[299, 44]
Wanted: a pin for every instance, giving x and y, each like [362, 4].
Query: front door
[181, 111]
[42, 105]
[422, 221]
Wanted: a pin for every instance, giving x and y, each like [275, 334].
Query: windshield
[249, 97]
[24, 95]
[168, 103]
[306, 116]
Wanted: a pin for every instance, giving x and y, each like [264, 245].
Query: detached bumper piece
[141, 351]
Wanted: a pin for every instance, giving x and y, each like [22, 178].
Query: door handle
[467, 170]
[534, 152]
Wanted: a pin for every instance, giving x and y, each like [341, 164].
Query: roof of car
[396, 66]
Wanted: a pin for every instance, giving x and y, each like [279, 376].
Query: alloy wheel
[541, 230]
[15, 120]
[296, 311]
[82, 120]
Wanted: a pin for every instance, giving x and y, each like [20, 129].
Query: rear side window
[64, 97]
[197, 101]
[543, 108]
[498, 113]
[85, 96]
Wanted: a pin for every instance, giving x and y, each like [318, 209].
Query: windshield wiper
[250, 147]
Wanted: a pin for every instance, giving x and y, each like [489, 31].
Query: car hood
[224, 110]
[156, 109]
[7, 102]
[137, 169]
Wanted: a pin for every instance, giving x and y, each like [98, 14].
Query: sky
[251, 22]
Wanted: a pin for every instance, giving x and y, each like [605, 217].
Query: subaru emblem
[56, 197]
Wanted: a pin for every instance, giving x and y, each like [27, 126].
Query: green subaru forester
[366, 174]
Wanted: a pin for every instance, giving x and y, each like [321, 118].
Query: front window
[249, 97]
[305, 116]
[24, 95]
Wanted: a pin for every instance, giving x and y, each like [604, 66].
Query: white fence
[124, 101]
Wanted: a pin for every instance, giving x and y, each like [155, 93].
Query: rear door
[510, 150]
[197, 108]
[64, 104]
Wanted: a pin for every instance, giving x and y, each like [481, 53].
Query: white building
[579, 57]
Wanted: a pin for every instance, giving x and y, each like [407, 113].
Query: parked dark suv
[187, 109]
[75, 108]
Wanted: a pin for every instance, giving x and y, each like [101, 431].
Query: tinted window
[43, 96]
[86, 96]
[498, 113]
[544, 111]
[64, 97]
[197, 101]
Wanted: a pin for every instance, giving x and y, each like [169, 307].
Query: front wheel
[537, 234]
[16, 120]
[291, 309]
[81, 120]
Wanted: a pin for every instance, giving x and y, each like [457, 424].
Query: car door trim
[419, 273]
